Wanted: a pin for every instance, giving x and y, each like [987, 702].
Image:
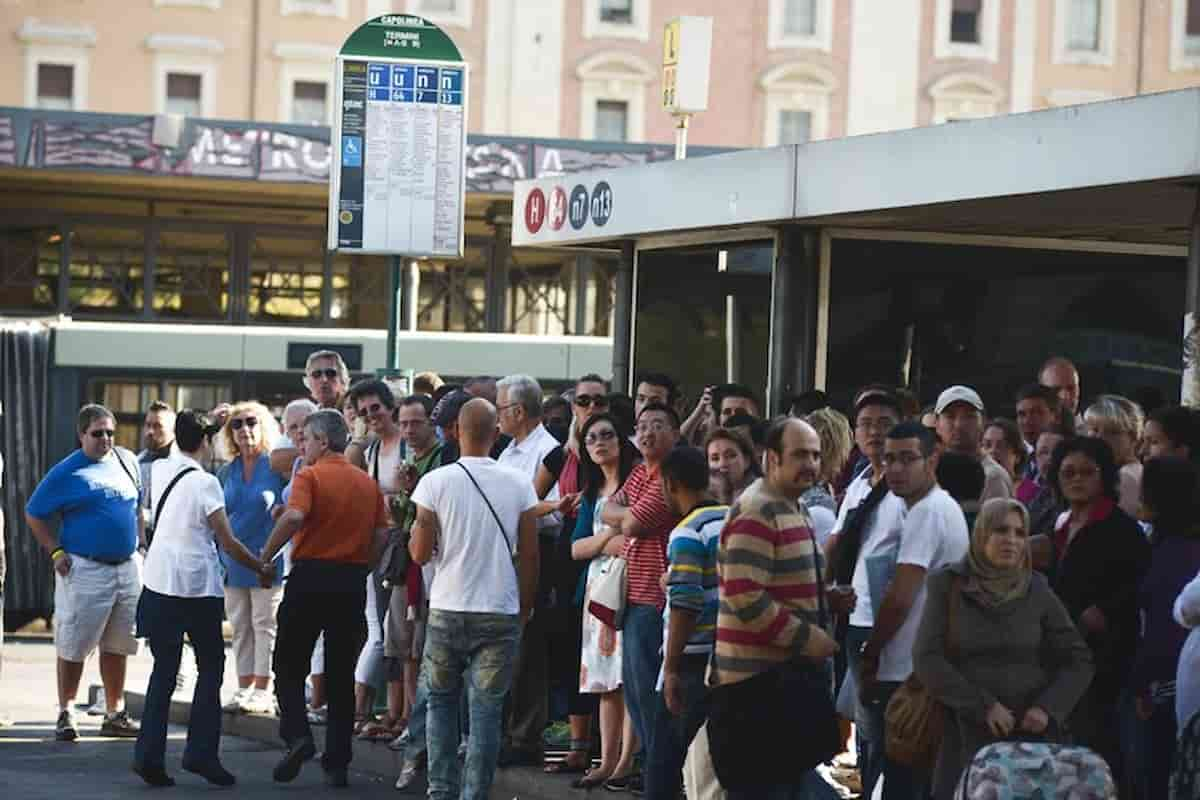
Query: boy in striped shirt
[690, 619]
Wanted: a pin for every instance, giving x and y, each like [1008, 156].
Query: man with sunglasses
[327, 379]
[95, 491]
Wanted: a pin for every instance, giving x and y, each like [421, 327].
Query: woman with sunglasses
[251, 491]
[606, 459]
[1099, 555]
[562, 466]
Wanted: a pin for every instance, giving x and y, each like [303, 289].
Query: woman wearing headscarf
[996, 647]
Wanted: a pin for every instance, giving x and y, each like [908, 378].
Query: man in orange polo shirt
[337, 522]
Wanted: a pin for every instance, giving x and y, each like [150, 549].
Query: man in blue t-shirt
[95, 491]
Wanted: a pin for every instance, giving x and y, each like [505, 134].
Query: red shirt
[646, 555]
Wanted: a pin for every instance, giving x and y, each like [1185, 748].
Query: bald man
[1060, 374]
[482, 517]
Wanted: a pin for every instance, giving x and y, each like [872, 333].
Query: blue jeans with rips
[477, 650]
[641, 657]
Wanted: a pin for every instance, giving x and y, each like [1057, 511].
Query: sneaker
[120, 726]
[408, 776]
[462, 750]
[64, 729]
[98, 708]
[234, 706]
[258, 701]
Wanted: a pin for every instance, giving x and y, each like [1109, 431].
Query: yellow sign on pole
[671, 43]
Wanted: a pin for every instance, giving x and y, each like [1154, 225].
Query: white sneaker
[98, 708]
[235, 704]
[258, 701]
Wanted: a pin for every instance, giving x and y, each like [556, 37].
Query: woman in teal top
[251, 491]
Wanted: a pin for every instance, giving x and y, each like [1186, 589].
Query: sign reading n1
[398, 180]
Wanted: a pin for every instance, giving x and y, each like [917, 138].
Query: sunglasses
[329, 373]
[374, 408]
[595, 437]
[587, 401]
[106, 433]
[249, 422]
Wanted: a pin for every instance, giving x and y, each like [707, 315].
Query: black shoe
[154, 776]
[298, 752]
[637, 784]
[337, 778]
[213, 773]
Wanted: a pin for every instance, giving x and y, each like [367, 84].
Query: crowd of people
[709, 600]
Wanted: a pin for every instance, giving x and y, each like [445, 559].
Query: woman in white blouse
[183, 593]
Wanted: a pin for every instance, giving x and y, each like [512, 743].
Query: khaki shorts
[403, 638]
[95, 605]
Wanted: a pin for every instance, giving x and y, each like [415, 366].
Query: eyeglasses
[238, 422]
[1083, 473]
[103, 433]
[329, 373]
[603, 435]
[652, 427]
[587, 401]
[881, 424]
[903, 459]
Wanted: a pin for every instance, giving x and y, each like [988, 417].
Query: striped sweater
[767, 577]
[692, 574]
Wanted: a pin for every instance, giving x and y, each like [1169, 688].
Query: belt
[112, 562]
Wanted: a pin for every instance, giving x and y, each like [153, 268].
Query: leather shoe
[298, 752]
[154, 776]
[214, 773]
[337, 778]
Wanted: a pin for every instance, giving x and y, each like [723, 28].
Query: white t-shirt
[525, 458]
[183, 561]
[934, 534]
[882, 530]
[473, 559]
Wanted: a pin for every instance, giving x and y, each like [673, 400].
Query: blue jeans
[163, 620]
[478, 650]
[641, 641]
[900, 782]
[673, 734]
[809, 786]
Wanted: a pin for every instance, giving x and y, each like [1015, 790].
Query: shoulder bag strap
[373, 458]
[137, 484]
[495, 516]
[162, 500]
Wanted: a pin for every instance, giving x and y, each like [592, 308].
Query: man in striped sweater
[690, 617]
[768, 568]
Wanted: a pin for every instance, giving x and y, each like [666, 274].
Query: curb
[525, 783]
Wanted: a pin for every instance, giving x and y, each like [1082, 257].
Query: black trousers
[320, 597]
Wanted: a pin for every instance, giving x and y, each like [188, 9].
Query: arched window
[962, 95]
[797, 103]
[612, 96]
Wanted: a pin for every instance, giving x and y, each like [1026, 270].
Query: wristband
[56, 552]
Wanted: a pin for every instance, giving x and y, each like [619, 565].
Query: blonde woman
[1119, 422]
[251, 491]
[836, 440]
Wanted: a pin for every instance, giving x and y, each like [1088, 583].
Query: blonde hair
[1115, 411]
[268, 426]
[836, 439]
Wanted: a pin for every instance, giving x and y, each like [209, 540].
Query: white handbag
[607, 594]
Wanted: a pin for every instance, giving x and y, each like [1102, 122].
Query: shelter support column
[794, 308]
[622, 338]
[496, 284]
[1191, 316]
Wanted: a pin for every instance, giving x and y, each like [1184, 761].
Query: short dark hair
[912, 429]
[726, 390]
[688, 466]
[665, 409]
[192, 428]
[554, 401]
[157, 406]
[805, 403]
[1094, 448]
[592, 377]
[443, 390]
[659, 379]
[1036, 391]
[422, 400]
[1181, 426]
[90, 413]
[962, 476]
[620, 408]
[369, 387]
[1169, 487]
[877, 394]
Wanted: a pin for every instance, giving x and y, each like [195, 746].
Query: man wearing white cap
[960, 420]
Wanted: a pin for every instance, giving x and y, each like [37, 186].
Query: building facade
[783, 71]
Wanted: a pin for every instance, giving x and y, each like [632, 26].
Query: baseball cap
[958, 394]
[446, 410]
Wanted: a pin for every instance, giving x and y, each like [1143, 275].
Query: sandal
[589, 781]
[382, 730]
[360, 722]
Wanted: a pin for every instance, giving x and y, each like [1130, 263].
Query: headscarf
[991, 585]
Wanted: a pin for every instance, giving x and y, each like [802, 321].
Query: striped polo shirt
[767, 577]
[692, 573]
[646, 556]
